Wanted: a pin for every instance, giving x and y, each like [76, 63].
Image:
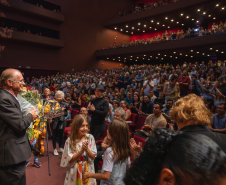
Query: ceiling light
[107, 58]
[131, 32]
[118, 57]
[163, 25]
[186, 55]
[182, 24]
[192, 19]
[203, 53]
[115, 28]
[149, 59]
[127, 26]
[139, 23]
[158, 53]
[113, 59]
[187, 17]
[150, 56]
[197, 51]
[222, 52]
[217, 4]
[168, 26]
[161, 58]
[137, 57]
[156, 57]
[136, 60]
[177, 22]
[133, 28]
[211, 48]
[208, 55]
[191, 50]
[119, 60]
[143, 30]
[216, 50]
[209, 15]
[175, 57]
[204, 13]
[157, 22]
[197, 21]
[171, 20]
[166, 17]
[171, 56]
[131, 56]
[198, 10]
[180, 53]
[152, 21]
[181, 14]
[174, 52]
[164, 55]
[131, 59]
[144, 55]
[127, 31]
[222, 8]
[121, 30]
[214, 18]
[143, 58]
[150, 27]
[144, 25]
[155, 29]
[138, 29]
[191, 56]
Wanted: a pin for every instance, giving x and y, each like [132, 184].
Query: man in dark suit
[14, 144]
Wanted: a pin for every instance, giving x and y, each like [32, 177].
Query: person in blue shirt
[218, 123]
[129, 98]
[121, 81]
[139, 77]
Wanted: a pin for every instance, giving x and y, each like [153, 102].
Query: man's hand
[91, 107]
[34, 114]
[134, 146]
[147, 127]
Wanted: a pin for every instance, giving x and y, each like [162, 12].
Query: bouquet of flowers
[46, 109]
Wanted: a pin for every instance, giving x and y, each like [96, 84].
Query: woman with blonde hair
[79, 153]
[191, 115]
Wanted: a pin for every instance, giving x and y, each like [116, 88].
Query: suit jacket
[14, 143]
[218, 138]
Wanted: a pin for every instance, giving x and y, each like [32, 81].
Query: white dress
[84, 164]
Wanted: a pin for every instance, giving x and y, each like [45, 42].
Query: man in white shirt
[148, 85]
[156, 80]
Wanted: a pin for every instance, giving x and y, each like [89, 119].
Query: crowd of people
[171, 36]
[147, 6]
[185, 123]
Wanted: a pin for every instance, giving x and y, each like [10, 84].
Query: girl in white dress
[79, 153]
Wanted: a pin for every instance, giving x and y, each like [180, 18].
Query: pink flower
[35, 91]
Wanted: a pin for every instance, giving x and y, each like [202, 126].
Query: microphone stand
[47, 140]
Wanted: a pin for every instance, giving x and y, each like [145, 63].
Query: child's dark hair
[193, 158]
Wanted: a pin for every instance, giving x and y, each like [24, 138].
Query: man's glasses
[19, 81]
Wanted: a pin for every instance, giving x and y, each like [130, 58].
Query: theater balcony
[184, 14]
[27, 9]
[192, 48]
[8, 35]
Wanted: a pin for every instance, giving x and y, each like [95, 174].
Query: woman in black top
[76, 101]
[146, 107]
[98, 109]
[135, 105]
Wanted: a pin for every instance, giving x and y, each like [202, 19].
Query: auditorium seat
[134, 120]
[139, 139]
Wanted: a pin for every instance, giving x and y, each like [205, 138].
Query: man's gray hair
[61, 93]
[122, 112]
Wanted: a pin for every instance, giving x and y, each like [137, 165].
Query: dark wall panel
[82, 32]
